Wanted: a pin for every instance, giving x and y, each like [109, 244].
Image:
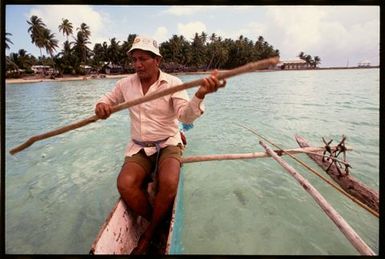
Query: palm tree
[98, 57]
[10, 64]
[127, 44]
[301, 55]
[24, 60]
[66, 58]
[258, 47]
[66, 27]
[218, 52]
[7, 40]
[113, 51]
[67, 49]
[213, 37]
[50, 43]
[80, 46]
[317, 60]
[173, 49]
[198, 48]
[309, 60]
[36, 29]
[85, 30]
[19, 61]
[125, 59]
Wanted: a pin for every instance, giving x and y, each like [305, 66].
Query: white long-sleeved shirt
[157, 119]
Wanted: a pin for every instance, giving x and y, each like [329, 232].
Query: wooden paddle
[258, 65]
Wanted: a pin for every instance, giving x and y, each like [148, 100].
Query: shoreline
[59, 79]
[117, 76]
[79, 78]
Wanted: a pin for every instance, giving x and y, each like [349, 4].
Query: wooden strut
[331, 158]
[345, 228]
[249, 67]
[202, 158]
[334, 153]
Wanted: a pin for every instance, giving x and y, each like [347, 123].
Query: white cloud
[333, 33]
[252, 30]
[188, 30]
[161, 34]
[189, 10]
[298, 28]
[184, 10]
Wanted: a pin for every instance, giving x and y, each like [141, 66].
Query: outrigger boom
[305, 150]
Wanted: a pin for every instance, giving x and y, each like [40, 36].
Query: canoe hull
[120, 232]
[122, 229]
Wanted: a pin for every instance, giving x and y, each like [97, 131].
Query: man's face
[145, 65]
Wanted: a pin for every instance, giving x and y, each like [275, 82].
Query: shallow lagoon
[59, 191]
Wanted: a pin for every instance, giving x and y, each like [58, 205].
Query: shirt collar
[162, 77]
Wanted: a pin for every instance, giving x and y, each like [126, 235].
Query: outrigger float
[122, 229]
[339, 171]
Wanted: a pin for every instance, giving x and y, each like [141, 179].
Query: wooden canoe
[122, 229]
[347, 182]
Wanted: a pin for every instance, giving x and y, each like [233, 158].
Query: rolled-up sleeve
[113, 97]
[188, 111]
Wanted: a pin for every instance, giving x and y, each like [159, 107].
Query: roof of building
[85, 66]
[293, 61]
[40, 66]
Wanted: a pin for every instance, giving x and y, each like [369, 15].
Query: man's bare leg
[168, 177]
[130, 185]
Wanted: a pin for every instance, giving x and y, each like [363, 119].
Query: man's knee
[169, 176]
[130, 178]
[125, 184]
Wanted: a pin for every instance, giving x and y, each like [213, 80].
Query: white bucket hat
[147, 44]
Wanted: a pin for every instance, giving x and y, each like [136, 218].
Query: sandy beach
[59, 79]
[33, 79]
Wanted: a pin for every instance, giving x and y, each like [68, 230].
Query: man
[155, 148]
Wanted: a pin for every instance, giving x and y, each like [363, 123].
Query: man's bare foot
[142, 247]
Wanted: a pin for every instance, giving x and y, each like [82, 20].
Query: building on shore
[86, 69]
[40, 69]
[364, 63]
[44, 70]
[294, 64]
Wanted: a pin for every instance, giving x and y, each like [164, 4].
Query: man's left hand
[210, 84]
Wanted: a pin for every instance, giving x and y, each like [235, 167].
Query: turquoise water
[59, 191]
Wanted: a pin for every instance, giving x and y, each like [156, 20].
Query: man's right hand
[103, 110]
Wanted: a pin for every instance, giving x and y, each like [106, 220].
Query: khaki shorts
[148, 162]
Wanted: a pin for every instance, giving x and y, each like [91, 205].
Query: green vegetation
[7, 40]
[309, 60]
[201, 53]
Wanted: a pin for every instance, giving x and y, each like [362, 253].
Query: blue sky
[337, 34]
